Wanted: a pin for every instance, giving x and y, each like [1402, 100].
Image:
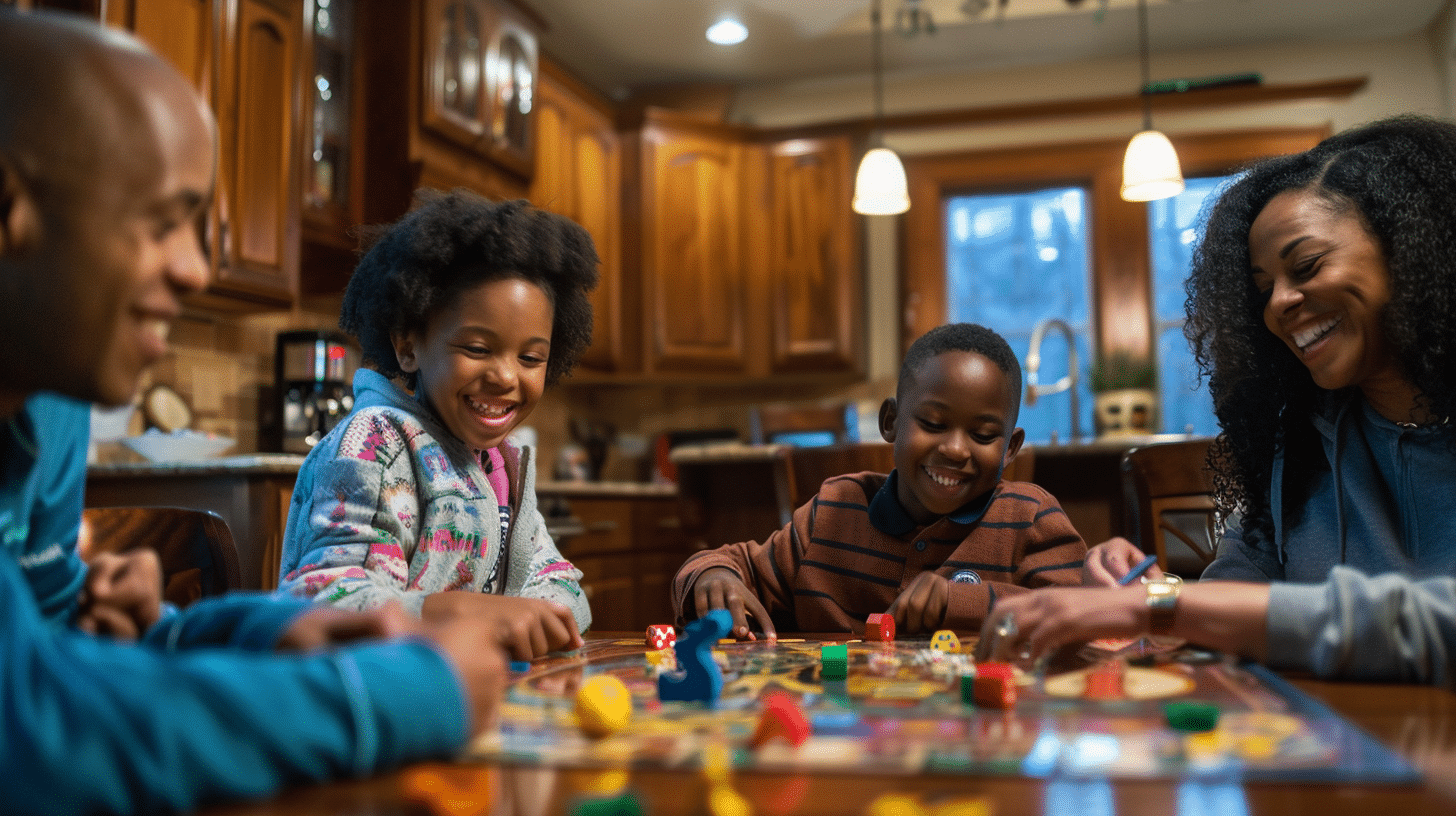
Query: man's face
[118, 243]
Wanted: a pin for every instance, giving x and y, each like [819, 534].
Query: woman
[1322, 308]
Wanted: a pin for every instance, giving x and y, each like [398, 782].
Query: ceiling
[618, 45]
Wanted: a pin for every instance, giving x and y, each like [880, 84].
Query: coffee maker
[315, 372]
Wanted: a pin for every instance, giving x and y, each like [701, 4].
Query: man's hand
[325, 626]
[1107, 562]
[719, 588]
[528, 628]
[921, 607]
[122, 596]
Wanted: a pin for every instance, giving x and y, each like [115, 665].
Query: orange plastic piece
[781, 718]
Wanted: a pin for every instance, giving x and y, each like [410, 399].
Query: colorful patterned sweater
[392, 507]
[853, 549]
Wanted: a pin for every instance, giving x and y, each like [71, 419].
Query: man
[106, 162]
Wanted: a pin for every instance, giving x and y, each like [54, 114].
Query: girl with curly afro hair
[465, 309]
[1322, 310]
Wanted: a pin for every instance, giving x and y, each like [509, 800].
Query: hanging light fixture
[879, 186]
[1150, 168]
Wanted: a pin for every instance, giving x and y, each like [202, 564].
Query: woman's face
[1327, 285]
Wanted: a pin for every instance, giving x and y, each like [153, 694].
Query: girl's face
[1327, 286]
[481, 361]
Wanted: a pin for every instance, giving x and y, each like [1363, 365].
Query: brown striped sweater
[853, 549]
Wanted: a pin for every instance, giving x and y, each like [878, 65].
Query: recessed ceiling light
[727, 31]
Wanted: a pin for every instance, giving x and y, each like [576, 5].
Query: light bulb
[879, 186]
[1150, 169]
[727, 31]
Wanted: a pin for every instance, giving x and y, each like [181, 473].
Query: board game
[900, 710]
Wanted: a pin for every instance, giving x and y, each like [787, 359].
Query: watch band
[1162, 602]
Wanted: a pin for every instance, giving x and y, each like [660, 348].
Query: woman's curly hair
[453, 241]
[1399, 177]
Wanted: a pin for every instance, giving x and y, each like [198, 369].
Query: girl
[465, 309]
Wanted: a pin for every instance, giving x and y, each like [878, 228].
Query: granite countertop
[250, 464]
[725, 452]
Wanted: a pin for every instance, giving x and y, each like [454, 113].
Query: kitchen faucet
[1067, 383]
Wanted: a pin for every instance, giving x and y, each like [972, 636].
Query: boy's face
[481, 361]
[114, 244]
[953, 427]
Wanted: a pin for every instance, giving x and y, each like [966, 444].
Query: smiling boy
[935, 542]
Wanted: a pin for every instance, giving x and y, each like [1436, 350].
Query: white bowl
[178, 446]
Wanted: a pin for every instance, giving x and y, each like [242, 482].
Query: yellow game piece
[603, 705]
[659, 657]
[717, 762]
[945, 641]
[895, 804]
[603, 783]
[724, 801]
[974, 806]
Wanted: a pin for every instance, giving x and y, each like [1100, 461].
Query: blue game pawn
[698, 678]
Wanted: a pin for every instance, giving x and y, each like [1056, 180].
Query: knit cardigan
[390, 506]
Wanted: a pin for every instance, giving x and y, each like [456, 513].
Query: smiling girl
[465, 309]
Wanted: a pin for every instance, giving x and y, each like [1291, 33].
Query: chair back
[1169, 491]
[199, 558]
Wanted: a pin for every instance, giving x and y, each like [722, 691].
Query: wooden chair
[771, 422]
[199, 558]
[1164, 485]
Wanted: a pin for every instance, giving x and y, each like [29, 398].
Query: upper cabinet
[579, 175]
[480, 77]
[242, 55]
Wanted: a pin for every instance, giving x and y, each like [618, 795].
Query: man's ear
[404, 352]
[888, 411]
[19, 213]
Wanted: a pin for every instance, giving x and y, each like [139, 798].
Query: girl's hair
[1398, 176]
[454, 241]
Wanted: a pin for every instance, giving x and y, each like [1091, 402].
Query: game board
[900, 711]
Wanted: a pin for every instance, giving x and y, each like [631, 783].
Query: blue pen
[1137, 571]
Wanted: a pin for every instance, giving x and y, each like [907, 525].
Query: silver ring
[1006, 628]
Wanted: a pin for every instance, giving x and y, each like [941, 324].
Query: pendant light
[1150, 168]
[879, 186]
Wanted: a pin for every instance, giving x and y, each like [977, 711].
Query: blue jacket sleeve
[93, 725]
[242, 620]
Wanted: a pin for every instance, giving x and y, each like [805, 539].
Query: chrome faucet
[1067, 383]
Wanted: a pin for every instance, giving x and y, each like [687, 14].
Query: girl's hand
[1107, 562]
[719, 588]
[527, 628]
[921, 607]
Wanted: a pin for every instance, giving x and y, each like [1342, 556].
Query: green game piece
[834, 662]
[968, 689]
[624, 804]
[1191, 716]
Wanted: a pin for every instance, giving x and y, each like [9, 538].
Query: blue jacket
[91, 725]
[1364, 553]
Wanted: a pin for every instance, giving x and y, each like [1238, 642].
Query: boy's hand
[122, 595]
[473, 648]
[324, 626]
[1107, 562]
[719, 588]
[921, 607]
[528, 628]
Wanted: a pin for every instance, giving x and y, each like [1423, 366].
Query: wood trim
[1222, 97]
[1121, 285]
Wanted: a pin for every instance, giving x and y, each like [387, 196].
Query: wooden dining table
[1417, 722]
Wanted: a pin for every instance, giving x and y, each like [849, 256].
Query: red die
[880, 626]
[661, 636]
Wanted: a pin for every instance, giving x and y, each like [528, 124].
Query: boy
[935, 542]
[106, 162]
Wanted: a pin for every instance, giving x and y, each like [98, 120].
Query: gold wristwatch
[1162, 603]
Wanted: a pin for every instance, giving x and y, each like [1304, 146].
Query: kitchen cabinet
[628, 549]
[242, 56]
[579, 175]
[814, 278]
[688, 245]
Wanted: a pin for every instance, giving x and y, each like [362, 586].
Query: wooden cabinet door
[693, 275]
[815, 282]
[578, 175]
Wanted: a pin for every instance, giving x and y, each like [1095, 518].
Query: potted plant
[1125, 392]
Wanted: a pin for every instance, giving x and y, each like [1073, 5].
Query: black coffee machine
[315, 373]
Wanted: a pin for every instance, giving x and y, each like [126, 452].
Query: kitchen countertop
[251, 464]
[586, 490]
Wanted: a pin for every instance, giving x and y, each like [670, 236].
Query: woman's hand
[921, 607]
[1109, 561]
[1039, 621]
[122, 594]
[719, 588]
[528, 628]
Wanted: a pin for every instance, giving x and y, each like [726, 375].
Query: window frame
[1121, 286]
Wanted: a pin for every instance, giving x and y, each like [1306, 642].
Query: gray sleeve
[1243, 555]
[1358, 627]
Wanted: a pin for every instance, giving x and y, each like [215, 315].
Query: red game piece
[1104, 681]
[880, 626]
[661, 636]
[781, 718]
[994, 686]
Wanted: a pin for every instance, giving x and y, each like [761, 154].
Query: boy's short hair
[964, 337]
